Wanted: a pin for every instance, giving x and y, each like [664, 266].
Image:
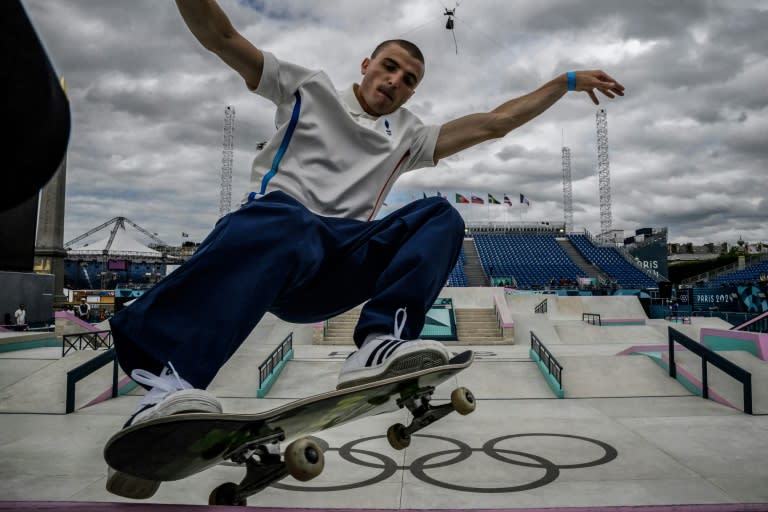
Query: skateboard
[175, 447]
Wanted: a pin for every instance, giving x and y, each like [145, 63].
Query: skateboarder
[304, 245]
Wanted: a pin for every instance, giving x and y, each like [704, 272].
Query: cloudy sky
[688, 143]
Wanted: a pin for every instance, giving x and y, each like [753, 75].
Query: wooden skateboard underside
[175, 447]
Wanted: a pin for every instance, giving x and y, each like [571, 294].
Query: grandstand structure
[548, 257]
[118, 257]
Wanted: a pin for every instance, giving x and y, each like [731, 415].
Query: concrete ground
[626, 435]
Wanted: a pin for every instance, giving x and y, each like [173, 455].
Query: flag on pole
[424, 194]
[507, 200]
[461, 199]
[492, 200]
[524, 200]
[477, 200]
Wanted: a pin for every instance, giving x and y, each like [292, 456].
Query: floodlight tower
[603, 171]
[567, 190]
[227, 138]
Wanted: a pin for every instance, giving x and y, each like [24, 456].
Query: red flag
[477, 200]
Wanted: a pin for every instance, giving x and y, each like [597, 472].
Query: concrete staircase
[478, 327]
[473, 269]
[340, 329]
[589, 269]
[473, 326]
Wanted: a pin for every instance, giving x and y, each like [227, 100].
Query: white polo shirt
[328, 153]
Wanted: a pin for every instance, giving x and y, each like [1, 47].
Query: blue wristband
[571, 80]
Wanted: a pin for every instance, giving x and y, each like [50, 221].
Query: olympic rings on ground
[462, 452]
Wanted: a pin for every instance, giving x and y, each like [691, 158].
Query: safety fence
[757, 324]
[711, 357]
[86, 340]
[541, 308]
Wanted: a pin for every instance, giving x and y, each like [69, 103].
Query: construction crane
[119, 222]
[227, 138]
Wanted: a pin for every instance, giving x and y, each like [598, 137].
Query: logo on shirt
[386, 127]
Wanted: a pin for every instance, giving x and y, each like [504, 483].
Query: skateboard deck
[177, 446]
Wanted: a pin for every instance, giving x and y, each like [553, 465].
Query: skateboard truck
[303, 460]
[424, 413]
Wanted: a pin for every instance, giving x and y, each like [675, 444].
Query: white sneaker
[169, 394]
[387, 355]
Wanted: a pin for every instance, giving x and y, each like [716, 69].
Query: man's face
[389, 80]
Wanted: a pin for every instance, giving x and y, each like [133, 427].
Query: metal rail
[709, 356]
[548, 360]
[592, 318]
[270, 363]
[76, 374]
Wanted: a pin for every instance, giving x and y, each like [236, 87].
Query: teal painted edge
[722, 343]
[127, 388]
[264, 389]
[687, 384]
[556, 389]
[26, 345]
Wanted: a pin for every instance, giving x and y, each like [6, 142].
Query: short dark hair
[408, 46]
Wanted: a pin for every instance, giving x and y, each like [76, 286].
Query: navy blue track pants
[275, 255]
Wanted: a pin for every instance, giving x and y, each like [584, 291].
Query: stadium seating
[532, 259]
[610, 261]
[749, 274]
[457, 276]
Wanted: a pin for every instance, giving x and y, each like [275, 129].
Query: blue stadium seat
[610, 261]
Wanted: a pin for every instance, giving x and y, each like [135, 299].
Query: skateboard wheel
[304, 459]
[463, 401]
[226, 494]
[397, 437]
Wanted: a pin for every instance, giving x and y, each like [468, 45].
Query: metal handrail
[553, 366]
[592, 318]
[76, 374]
[709, 356]
[270, 363]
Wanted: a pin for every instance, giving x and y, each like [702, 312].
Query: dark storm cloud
[687, 144]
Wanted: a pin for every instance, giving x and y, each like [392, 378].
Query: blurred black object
[35, 109]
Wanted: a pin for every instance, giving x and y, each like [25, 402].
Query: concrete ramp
[616, 376]
[45, 389]
[11, 340]
[608, 307]
[527, 303]
[67, 323]
[539, 324]
[579, 333]
[614, 307]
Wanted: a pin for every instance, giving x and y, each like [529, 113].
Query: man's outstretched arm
[467, 131]
[211, 26]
